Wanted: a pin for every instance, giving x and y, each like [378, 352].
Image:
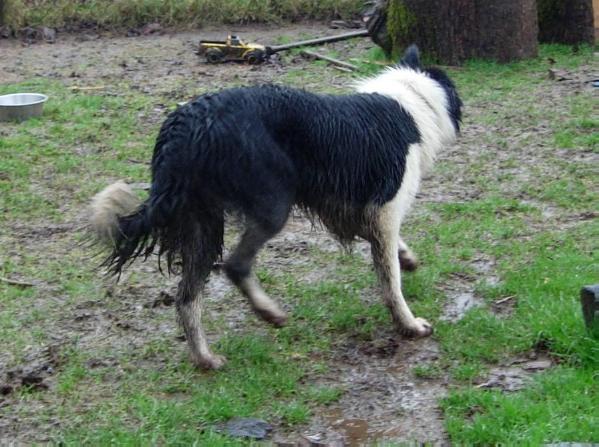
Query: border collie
[352, 161]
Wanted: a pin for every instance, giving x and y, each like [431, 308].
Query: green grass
[138, 390]
[541, 265]
[187, 13]
[557, 407]
[581, 128]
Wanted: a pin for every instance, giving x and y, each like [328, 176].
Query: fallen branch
[138, 162]
[331, 60]
[503, 300]
[95, 87]
[343, 69]
[15, 282]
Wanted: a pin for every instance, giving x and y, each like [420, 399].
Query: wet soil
[160, 64]
[383, 400]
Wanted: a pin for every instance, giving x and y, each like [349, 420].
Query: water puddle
[383, 400]
[458, 303]
[485, 267]
[353, 431]
[460, 288]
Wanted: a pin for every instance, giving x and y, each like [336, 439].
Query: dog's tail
[131, 228]
[119, 220]
[107, 206]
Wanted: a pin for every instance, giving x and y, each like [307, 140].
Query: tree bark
[451, 31]
[508, 29]
[566, 21]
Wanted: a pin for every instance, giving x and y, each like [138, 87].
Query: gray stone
[247, 428]
[48, 34]
[5, 32]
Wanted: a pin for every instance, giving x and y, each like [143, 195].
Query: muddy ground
[383, 400]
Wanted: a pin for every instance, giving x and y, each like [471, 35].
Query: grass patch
[187, 13]
[507, 81]
[558, 407]
[581, 129]
[427, 371]
[545, 286]
[81, 137]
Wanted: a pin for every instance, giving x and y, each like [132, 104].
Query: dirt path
[157, 63]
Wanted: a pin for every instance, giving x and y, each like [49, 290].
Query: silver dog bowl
[21, 106]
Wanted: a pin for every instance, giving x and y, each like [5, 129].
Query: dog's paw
[268, 310]
[277, 318]
[408, 260]
[211, 361]
[418, 328]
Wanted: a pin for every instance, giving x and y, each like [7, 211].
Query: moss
[11, 13]
[400, 21]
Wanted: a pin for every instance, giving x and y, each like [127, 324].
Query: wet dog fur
[352, 161]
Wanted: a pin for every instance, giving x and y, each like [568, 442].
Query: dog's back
[248, 148]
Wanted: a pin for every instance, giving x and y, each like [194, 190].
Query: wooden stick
[314, 55]
[503, 300]
[95, 87]
[343, 69]
[15, 282]
[138, 162]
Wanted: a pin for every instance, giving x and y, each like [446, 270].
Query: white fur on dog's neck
[424, 99]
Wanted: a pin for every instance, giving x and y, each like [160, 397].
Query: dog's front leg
[385, 245]
[189, 308]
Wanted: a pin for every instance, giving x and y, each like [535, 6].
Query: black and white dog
[354, 161]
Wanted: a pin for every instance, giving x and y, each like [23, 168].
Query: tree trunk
[451, 31]
[507, 29]
[566, 21]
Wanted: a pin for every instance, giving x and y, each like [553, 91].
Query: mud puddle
[459, 289]
[458, 304]
[382, 400]
[516, 374]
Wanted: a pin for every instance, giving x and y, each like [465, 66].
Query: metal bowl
[21, 106]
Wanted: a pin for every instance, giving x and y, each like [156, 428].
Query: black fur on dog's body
[257, 152]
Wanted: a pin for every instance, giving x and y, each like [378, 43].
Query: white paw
[208, 361]
[419, 327]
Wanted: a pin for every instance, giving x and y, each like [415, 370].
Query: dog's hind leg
[239, 270]
[198, 254]
[407, 259]
[385, 245]
[189, 307]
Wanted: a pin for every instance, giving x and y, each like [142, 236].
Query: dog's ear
[411, 58]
